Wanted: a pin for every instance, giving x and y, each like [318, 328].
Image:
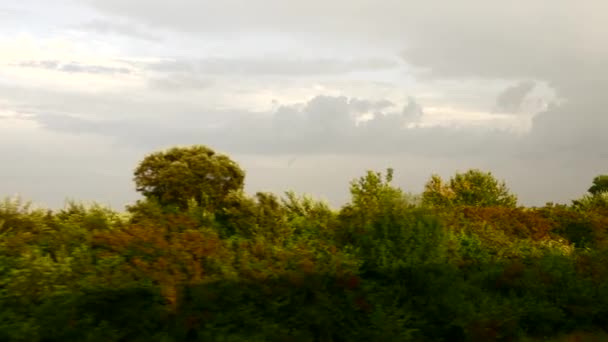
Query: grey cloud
[145, 135]
[561, 43]
[578, 126]
[324, 124]
[39, 64]
[364, 106]
[512, 98]
[329, 114]
[135, 106]
[180, 81]
[545, 39]
[133, 118]
[407, 21]
[73, 67]
[273, 66]
[412, 111]
[558, 42]
[117, 27]
[93, 69]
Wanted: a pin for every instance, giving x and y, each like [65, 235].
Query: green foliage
[600, 185]
[472, 188]
[200, 260]
[19, 216]
[179, 174]
[583, 226]
[385, 228]
[597, 202]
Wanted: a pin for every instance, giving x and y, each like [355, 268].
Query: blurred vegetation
[199, 260]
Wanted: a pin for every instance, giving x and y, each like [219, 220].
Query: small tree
[386, 228]
[437, 193]
[177, 175]
[600, 185]
[371, 193]
[472, 188]
[597, 198]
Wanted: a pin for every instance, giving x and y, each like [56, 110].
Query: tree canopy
[180, 174]
[472, 188]
[202, 260]
[600, 184]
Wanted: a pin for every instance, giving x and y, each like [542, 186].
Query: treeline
[199, 260]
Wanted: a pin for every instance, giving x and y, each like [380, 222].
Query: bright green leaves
[597, 199]
[386, 228]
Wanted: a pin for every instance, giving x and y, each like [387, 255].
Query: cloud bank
[342, 86]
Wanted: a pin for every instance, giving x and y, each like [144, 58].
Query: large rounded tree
[180, 174]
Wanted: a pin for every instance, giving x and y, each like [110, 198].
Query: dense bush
[385, 267]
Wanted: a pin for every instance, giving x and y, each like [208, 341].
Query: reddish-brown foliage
[517, 222]
[170, 256]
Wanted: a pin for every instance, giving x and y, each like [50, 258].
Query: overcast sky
[304, 94]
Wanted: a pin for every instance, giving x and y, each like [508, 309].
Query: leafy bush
[207, 262]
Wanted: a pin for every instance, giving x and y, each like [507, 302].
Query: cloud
[365, 106]
[10, 14]
[5, 13]
[73, 67]
[409, 22]
[273, 66]
[223, 63]
[118, 27]
[511, 100]
[575, 127]
[180, 81]
[412, 112]
[324, 124]
[322, 133]
[47, 167]
[121, 104]
[464, 40]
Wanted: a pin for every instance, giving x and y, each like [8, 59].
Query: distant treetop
[472, 188]
[180, 174]
[600, 184]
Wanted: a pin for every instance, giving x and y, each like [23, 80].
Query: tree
[600, 184]
[472, 188]
[263, 215]
[598, 201]
[373, 191]
[437, 193]
[177, 175]
[597, 198]
[385, 226]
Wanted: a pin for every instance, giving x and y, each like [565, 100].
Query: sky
[305, 95]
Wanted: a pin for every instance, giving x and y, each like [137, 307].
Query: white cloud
[59, 63]
[263, 66]
[273, 77]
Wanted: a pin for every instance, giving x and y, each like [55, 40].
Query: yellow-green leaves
[472, 188]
